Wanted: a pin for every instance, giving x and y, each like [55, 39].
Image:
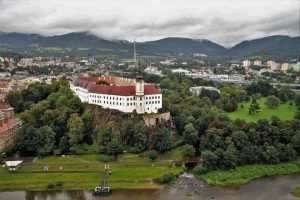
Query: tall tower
[139, 86]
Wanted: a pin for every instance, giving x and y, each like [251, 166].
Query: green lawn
[83, 172]
[245, 174]
[283, 112]
[296, 191]
[75, 177]
[174, 154]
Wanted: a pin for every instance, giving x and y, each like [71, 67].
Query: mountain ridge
[271, 46]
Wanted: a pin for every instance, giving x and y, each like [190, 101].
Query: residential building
[257, 63]
[285, 66]
[9, 126]
[246, 63]
[198, 89]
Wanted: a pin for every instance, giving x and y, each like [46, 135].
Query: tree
[14, 99]
[269, 155]
[213, 140]
[272, 102]
[28, 139]
[210, 160]
[87, 119]
[190, 134]
[286, 152]
[296, 142]
[75, 130]
[46, 141]
[134, 135]
[152, 155]
[254, 107]
[297, 99]
[165, 83]
[207, 101]
[297, 115]
[114, 147]
[188, 151]
[161, 140]
[230, 157]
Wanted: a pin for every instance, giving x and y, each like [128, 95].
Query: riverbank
[83, 172]
[274, 188]
[245, 174]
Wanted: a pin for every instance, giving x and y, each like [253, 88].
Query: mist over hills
[84, 43]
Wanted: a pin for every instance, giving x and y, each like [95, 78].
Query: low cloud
[152, 20]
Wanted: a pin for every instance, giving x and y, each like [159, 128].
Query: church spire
[139, 76]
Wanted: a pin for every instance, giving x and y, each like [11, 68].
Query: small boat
[102, 191]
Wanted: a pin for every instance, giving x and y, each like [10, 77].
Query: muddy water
[275, 188]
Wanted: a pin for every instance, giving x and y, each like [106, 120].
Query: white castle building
[125, 95]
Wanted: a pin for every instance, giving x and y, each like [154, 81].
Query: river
[274, 188]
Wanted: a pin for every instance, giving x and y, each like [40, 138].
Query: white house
[246, 63]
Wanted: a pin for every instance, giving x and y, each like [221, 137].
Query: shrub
[272, 102]
[59, 184]
[50, 186]
[152, 155]
[167, 178]
[200, 169]
[188, 151]
[106, 158]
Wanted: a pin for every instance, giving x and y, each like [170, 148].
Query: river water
[274, 188]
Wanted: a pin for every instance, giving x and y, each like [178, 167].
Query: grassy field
[245, 174]
[283, 112]
[174, 154]
[296, 191]
[83, 172]
[130, 176]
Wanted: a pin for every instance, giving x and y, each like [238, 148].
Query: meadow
[283, 111]
[129, 171]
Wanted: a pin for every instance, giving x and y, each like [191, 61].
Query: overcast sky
[226, 22]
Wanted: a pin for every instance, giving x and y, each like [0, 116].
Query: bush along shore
[244, 174]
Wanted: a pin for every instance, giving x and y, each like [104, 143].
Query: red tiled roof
[8, 124]
[2, 96]
[4, 106]
[123, 90]
[3, 85]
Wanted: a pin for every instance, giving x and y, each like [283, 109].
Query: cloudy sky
[226, 22]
